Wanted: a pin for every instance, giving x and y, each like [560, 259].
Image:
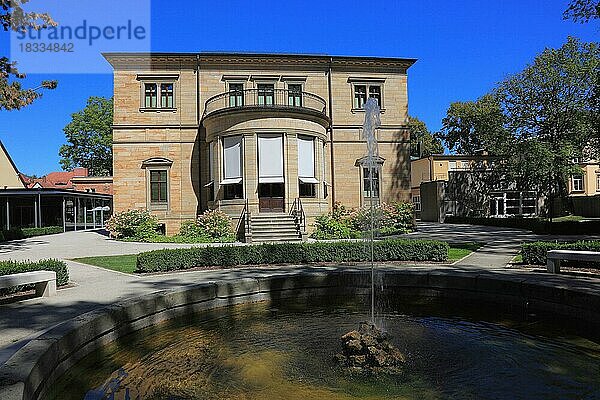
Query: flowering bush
[133, 224]
[385, 219]
[212, 226]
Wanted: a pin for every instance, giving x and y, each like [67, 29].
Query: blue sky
[463, 48]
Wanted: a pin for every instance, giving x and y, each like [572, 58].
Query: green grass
[123, 263]
[575, 218]
[458, 251]
[518, 259]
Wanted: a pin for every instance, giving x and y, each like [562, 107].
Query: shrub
[341, 223]
[212, 226]
[328, 227]
[291, 253]
[535, 225]
[16, 267]
[22, 233]
[133, 224]
[535, 253]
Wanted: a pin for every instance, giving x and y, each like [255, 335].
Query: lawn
[127, 263]
[123, 263]
[458, 251]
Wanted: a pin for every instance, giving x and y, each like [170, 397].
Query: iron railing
[243, 226]
[265, 98]
[297, 211]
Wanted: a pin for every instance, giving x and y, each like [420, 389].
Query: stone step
[261, 234]
[276, 239]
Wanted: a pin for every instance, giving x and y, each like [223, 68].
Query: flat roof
[52, 191]
[117, 58]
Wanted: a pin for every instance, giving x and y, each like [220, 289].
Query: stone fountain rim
[31, 371]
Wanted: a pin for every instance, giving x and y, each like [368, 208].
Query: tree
[422, 142]
[13, 17]
[582, 11]
[89, 138]
[475, 125]
[552, 109]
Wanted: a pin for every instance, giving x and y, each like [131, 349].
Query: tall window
[166, 95]
[375, 93]
[295, 95]
[598, 183]
[577, 182]
[360, 96]
[150, 95]
[266, 93]
[417, 202]
[236, 94]
[158, 186]
[370, 186]
[232, 168]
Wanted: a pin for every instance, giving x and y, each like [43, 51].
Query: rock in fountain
[367, 350]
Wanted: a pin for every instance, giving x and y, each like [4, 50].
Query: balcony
[294, 103]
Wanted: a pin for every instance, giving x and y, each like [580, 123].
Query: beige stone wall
[177, 135]
[590, 181]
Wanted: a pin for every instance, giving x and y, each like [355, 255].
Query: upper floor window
[158, 95]
[295, 95]
[577, 183]
[417, 202]
[364, 92]
[166, 95]
[266, 94]
[236, 94]
[375, 93]
[360, 96]
[150, 99]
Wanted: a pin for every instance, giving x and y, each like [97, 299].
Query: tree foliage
[13, 18]
[422, 142]
[582, 11]
[89, 138]
[472, 126]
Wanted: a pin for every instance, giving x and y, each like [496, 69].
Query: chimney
[80, 172]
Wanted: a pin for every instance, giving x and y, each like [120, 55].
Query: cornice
[306, 61]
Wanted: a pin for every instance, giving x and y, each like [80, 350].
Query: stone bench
[556, 256]
[45, 281]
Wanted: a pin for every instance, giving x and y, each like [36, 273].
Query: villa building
[254, 134]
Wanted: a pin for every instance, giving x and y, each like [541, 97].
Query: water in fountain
[371, 123]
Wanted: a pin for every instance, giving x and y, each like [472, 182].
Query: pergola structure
[42, 207]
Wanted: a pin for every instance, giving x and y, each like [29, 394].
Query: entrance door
[271, 197]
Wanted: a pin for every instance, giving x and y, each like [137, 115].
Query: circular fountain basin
[476, 335]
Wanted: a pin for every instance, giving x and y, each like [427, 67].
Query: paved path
[95, 287]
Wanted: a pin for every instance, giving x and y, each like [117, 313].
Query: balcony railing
[265, 99]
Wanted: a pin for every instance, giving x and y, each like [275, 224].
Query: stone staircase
[274, 227]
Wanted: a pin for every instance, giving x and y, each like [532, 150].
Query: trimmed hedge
[291, 253]
[22, 233]
[534, 225]
[535, 253]
[16, 267]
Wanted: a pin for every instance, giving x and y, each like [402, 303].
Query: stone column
[250, 170]
[290, 168]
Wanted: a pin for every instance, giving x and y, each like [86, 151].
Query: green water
[258, 352]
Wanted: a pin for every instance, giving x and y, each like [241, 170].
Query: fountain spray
[371, 123]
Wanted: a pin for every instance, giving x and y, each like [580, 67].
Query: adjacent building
[584, 189]
[466, 185]
[71, 199]
[254, 134]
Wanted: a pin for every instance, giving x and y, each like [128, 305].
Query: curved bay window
[232, 168]
[306, 167]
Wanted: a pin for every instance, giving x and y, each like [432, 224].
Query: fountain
[367, 349]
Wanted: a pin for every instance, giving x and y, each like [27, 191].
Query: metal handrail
[245, 220]
[265, 98]
[297, 211]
